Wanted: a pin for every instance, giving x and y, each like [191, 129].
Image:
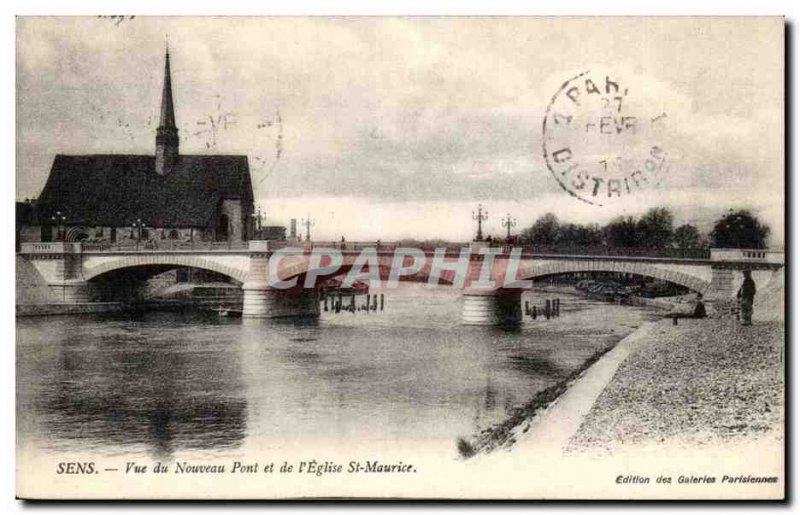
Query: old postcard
[400, 257]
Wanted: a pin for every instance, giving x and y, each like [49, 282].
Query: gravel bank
[701, 382]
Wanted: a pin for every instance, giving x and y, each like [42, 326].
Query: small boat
[334, 287]
[228, 312]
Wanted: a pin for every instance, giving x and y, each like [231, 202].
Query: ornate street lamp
[508, 223]
[481, 216]
[308, 222]
[258, 222]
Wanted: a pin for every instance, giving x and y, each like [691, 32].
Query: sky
[388, 128]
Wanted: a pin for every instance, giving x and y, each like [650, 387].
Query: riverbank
[87, 308]
[703, 382]
[33, 310]
[506, 433]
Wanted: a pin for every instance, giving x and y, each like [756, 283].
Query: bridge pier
[723, 283]
[261, 301]
[71, 292]
[484, 307]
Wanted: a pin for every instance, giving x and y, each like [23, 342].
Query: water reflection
[141, 389]
[170, 383]
[541, 365]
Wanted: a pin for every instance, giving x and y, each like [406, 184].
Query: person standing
[699, 307]
[746, 295]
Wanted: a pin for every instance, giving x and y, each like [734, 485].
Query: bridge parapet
[348, 246]
[502, 249]
[772, 256]
[767, 256]
[50, 247]
[151, 246]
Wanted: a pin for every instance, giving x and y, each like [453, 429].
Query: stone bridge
[489, 297]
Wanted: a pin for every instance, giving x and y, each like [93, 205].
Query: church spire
[167, 109]
[167, 132]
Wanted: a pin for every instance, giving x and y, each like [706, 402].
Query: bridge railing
[162, 245]
[605, 250]
[739, 255]
[49, 247]
[358, 246]
[351, 246]
[755, 255]
[574, 250]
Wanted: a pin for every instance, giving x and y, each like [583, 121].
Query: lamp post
[308, 222]
[508, 223]
[257, 224]
[138, 226]
[481, 216]
[59, 218]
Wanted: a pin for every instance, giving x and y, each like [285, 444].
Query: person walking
[746, 294]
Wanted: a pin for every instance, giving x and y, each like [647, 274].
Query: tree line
[653, 230]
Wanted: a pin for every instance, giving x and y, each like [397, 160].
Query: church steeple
[167, 132]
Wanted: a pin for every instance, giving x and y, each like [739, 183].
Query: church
[142, 199]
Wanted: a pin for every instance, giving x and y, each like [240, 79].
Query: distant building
[109, 197]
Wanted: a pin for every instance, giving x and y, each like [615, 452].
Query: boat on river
[228, 312]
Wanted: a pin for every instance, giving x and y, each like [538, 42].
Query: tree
[622, 232]
[739, 230]
[545, 230]
[578, 235]
[655, 228]
[687, 237]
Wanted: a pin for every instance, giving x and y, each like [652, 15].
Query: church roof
[116, 190]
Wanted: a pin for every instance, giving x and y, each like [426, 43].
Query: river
[176, 385]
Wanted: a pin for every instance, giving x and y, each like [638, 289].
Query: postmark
[601, 140]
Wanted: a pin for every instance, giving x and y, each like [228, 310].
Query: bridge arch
[179, 260]
[688, 281]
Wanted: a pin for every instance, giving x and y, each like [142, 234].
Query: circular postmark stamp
[601, 140]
